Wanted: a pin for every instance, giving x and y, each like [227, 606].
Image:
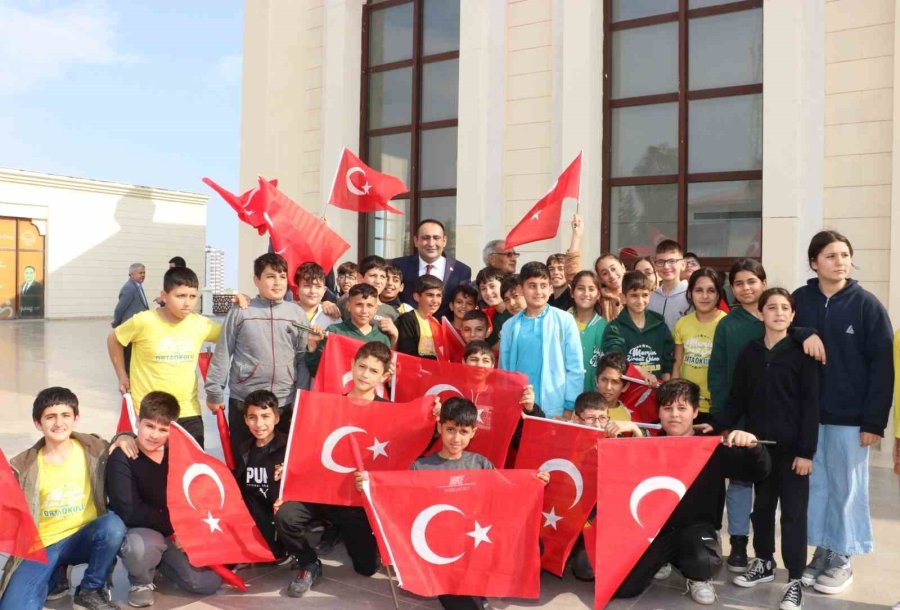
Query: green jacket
[591, 344]
[346, 329]
[651, 348]
[733, 333]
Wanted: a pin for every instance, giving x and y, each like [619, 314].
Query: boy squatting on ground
[165, 345]
[62, 477]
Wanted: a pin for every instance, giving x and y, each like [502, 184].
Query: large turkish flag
[335, 374]
[639, 397]
[248, 209]
[333, 436]
[360, 188]
[459, 532]
[569, 453]
[639, 483]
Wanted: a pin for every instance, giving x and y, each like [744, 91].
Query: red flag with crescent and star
[568, 452]
[454, 346]
[359, 188]
[542, 221]
[249, 209]
[639, 397]
[335, 373]
[496, 395]
[209, 516]
[639, 484]
[19, 536]
[459, 532]
[333, 436]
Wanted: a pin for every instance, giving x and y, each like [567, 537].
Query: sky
[144, 92]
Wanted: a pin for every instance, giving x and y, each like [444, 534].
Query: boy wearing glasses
[670, 299]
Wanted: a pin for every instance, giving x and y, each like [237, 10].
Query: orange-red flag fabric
[360, 188]
[18, 534]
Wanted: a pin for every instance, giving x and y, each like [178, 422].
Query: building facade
[215, 269]
[739, 128]
[66, 243]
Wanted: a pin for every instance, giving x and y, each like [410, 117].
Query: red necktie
[428, 268]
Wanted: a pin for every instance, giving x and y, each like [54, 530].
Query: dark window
[682, 137]
[410, 92]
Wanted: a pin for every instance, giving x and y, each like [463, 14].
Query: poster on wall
[31, 284]
[8, 284]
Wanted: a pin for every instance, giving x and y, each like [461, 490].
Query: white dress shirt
[437, 267]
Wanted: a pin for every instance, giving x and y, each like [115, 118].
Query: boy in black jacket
[418, 329]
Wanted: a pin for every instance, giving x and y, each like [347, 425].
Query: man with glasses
[496, 256]
[691, 264]
[670, 299]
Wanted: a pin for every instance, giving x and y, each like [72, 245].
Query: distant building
[215, 269]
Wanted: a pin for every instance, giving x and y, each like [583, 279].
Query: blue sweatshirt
[857, 381]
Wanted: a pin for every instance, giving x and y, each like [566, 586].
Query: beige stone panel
[529, 186]
[880, 290]
[527, 162]
[316, 16]
[848, 14]
[313, 99]
[859, 75]
[526, 61]
[312, 141]
[871, 233]
[313, 121]
[526, 136]
[528, 111]
[527, 11]
[780, 250]
[524, 86]
[860, 43]
[871, 265]
[857, 170]
[314, 78]
[858, 138]
[859, 106]
[857, 201]
[529, 36]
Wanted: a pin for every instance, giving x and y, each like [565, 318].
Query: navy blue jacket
[455, 273]
[857, 382]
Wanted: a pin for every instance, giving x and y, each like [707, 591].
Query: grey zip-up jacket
[673, 306]
[256, 351]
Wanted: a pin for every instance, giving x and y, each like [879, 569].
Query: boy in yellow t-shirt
[62, 476]
[165, 345]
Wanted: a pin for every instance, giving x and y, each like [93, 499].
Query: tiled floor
[35, 354]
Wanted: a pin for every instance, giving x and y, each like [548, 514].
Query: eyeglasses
[600, 419]
[691, 264]
[508, 254]
[669, 262]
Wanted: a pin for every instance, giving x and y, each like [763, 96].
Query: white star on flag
[212, 522]
[480, 534]
[479, 420]
[551, 518]
[378, 449]
[366, 188]
[536, 214]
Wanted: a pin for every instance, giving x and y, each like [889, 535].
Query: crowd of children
[773, 367]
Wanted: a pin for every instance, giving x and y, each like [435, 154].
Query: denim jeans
[739, 502]
[95, 544]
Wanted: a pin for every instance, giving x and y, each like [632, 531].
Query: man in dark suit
[132, 300]
[430, 241]
[31, 295]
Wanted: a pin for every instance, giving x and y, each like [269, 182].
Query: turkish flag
[639, 397]
[459, 532]
[127, 416]
[249, 208]
[454, 346]
[211, 522]
[19, 535]
[360, 188]
[203, 361]
[297, 235]
[495, 393]
[569, 453]
[639, 483]
[333, 436]
[542, 221]
[335, 374]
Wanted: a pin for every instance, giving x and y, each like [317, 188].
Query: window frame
[682, 97]
[416, 126]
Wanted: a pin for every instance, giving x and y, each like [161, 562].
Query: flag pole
[333, 182]
[390, 575]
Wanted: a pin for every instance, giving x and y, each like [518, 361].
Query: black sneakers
[92, 599]
[760, 570]
[737, 560]
[793, 596]
[306, 578]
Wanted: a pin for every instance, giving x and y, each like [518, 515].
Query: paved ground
[36, 354]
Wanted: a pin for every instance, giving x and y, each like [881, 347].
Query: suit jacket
[31, 301]
[130, 303]
[455, 273]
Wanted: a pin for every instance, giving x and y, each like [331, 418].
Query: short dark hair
[466, 289]
[427, 282]
[478, 346]
[613, 360]
[49, 397]
[269, 259]
[556, 259]
[177, 261]
[489, 274]
[636, 280]
[513, 280]
[691, 255]
[460, 411]
[394, 270]
[590, 400]
[365, 291]
[373, 261]
[347, 267]
[708, 272]
[672, 390]
[433, 222]
[180, 276]
[160, 407]
[668, 245]
[476, 314]
[772, 292]
[534, 269]
[821, 240]
[746, 264]
[377, 350]
[309, 272]
[262, 399]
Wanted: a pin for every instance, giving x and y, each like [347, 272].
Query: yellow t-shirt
[65, 496]
[697, 339]
[426, 339]
[620, 413]
[164, 356]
